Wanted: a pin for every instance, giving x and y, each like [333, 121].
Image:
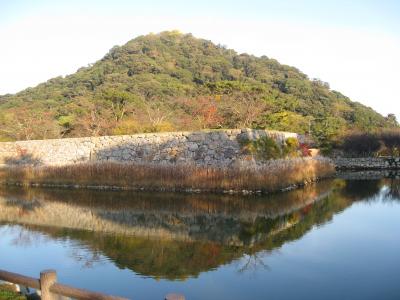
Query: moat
[337, 239]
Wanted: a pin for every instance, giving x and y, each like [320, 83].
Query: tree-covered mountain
[173, 81]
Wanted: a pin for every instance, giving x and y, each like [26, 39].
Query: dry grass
[276, 175]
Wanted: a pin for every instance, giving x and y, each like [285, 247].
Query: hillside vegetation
[173, 81]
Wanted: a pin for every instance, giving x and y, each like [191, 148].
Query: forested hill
[173, 81]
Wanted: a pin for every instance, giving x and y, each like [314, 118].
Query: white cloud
[360, 64]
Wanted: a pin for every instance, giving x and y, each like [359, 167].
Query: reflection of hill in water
[222, 219]
[176, 236]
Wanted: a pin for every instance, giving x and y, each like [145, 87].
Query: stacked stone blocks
[204, 148]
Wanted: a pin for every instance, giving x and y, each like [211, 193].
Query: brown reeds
[277, 175]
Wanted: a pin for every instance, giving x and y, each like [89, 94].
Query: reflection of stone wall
[221, 220]
[203, 148]
[367, 163]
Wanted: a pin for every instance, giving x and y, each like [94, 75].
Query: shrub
[361, 144]
[291, 147]
[163, 127]
[386, 143]
[326, 147]
[391, 140]
[127, 127]
[305, 150]
[268, 148]
[265, 148]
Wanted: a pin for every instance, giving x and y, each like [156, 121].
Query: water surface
[334, 240]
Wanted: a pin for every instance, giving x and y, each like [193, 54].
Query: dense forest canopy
[173, 81]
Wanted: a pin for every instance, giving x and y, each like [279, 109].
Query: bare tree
[156, 114]
[97, 121]
[246, 108]
[253, 262]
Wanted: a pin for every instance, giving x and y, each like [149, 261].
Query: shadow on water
[176, 236]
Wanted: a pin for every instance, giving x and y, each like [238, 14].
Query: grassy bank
[277, 175]
[8, 292]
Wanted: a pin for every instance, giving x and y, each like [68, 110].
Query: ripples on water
[335, 239]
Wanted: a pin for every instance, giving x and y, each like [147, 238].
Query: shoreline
[276, 176]
[167, 190]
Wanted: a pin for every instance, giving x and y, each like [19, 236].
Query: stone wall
[367, 163]
[218, 148]
[368, 174]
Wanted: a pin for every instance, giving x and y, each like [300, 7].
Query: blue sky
[372, 14]
[354, 45]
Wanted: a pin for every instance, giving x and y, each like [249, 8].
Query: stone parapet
[367, 163]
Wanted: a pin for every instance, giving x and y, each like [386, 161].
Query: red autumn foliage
[305, 149]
